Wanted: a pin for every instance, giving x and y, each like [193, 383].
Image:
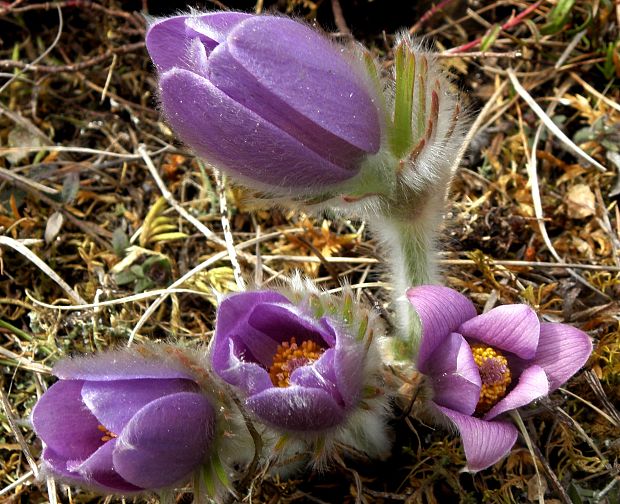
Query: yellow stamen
[107, 434]
[495, 375]
[289, 356]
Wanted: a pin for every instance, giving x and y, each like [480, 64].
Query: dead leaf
[53, 226]
[535, 488]
[21, 137]
[580, 202]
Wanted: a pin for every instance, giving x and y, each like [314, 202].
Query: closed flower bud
[267, 99]
[128, 421]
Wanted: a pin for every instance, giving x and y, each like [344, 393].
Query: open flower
[309, 368]
[481, 366]
[122, 422]
[266, 98]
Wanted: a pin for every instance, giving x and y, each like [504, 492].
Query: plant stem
[409, 252]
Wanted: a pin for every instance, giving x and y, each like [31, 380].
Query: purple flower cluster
[276, 103]
[481, 366]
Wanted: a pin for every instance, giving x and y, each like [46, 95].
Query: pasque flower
[266, 98]
[481, 366]
[308, 121]
[304, 364]
[124, 422]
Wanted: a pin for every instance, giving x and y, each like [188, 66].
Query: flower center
[289, 356]
[107, 434]
[495, 376]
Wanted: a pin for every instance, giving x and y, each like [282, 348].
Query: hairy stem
[410, 256]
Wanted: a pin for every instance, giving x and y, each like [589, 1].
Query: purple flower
[296, 372]
[480, 366]
[121, 422]
[266, 98]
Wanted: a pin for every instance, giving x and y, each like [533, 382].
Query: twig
[32, 257]
[481, 54]
[29, 66]
[92, 230]
[8, 412]
[428, 14]
[507, 25]
[538, 209]
[208, 234]
[230, 246]
[552, 476]
[530, 446]
[75, 67]
[550, 124]
[24, 363]
[19, 481]
[339, 18]
[136, 20]
[594, 92]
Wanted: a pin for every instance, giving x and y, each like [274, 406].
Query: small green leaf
[404, 62]
[220, 471]
[347, 309]
[557, 17]
[361, 331]
[207, 477]
[120, 242]
[124, 277]
[137, 271]
[490, 37]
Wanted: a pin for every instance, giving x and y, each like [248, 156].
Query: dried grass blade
[550, 124]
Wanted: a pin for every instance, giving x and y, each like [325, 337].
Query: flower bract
[482, 366]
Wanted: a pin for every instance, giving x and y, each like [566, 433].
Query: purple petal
[441, 311]
[532, 385]
[56, 465]
[215, 26]
[233, 137]
[114, 403]
[65, 425]
[562, 351]
[512, 328]
[116, 365]
[349, 368]
[250, 377]
[454, 375]
[229, 76]
[99, 469]
[320, 375]
[296, 408]
[283, 322]
[167, 39]
[165, 441]
[232, 324]
[166, 42]
[315, 78]
[484, 442]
